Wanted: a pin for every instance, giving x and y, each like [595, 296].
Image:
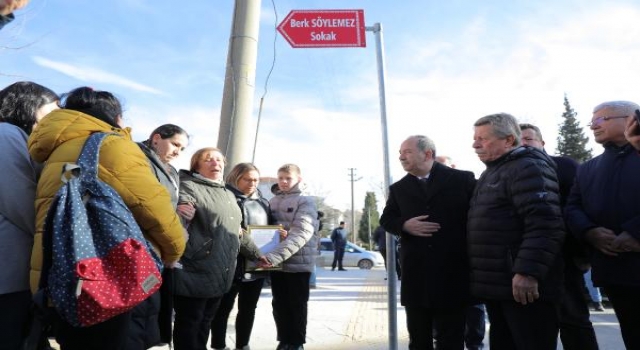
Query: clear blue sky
[448, 63]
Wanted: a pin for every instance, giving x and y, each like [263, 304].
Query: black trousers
[192, 321]
[144, 331]
[165, 314]
[447, 324]
[136, 329]
[14, 318]
[383, 252]
[576, 330]
[523, 327]
[338, 255]
[290, 297]
[112, 334]
[626, 304]
[248, 294]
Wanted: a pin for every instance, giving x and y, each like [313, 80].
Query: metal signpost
[345, 28]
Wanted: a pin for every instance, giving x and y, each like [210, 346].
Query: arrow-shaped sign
[324, 28]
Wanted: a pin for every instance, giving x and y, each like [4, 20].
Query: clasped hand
[419, 226]
[263, 262]
[186, 210]
[606, 241]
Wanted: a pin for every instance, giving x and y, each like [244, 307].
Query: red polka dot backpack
[97, 264]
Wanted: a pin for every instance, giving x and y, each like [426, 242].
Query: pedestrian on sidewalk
[243, 181]
[427, 209]
[296, 254]
[209, 261]
[155, 322]
[339, 239]
[594, 293]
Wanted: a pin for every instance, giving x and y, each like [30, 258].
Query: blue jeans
[312, 279]
[594, 291]
[475, 327]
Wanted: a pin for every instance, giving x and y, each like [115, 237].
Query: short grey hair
[425, 144]
[623, 107]
[503, 124]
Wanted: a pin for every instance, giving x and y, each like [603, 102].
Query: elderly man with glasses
[603, 210]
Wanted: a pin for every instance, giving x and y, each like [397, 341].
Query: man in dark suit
[339, 239]
[428, 210]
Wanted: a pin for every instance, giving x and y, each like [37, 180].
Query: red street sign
[324, 28]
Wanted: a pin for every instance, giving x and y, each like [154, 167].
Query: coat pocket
[198, 249]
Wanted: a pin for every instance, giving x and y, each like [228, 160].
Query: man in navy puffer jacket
[603, 211]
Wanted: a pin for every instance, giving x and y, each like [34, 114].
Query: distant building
[265, 186]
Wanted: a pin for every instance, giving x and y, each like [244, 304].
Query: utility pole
[353, 212]
[369, 223]
[234, 136]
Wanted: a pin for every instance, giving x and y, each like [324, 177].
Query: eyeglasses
[598, 121]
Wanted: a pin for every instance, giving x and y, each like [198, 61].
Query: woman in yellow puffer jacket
[59, 139]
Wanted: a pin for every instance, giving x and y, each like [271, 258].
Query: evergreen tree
[369, 218]
[571, 139]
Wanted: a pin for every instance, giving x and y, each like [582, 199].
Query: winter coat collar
[297, 189]
[63, 125]
[522, 152]
[192, 175]
[611, 148]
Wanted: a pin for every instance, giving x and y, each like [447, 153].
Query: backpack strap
[88, 160]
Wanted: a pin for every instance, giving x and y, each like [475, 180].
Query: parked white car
[354, 256]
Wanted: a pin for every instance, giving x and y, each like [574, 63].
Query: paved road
[348, 311]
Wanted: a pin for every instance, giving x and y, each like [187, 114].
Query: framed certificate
[267, 238]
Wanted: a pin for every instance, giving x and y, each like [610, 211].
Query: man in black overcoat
[427, 209]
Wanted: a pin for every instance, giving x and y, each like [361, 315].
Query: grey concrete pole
[234, 135]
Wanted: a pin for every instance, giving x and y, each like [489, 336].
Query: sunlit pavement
[348, 311]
